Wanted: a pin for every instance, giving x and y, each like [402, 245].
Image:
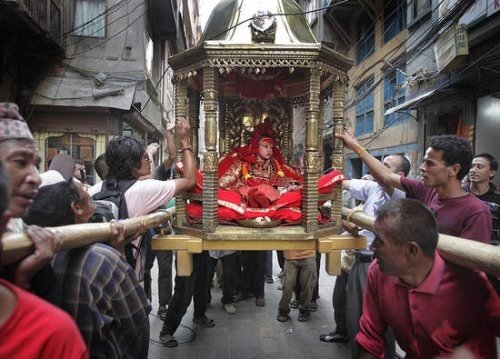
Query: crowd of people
[89, 301]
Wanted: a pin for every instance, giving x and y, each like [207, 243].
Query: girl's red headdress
[248, 154]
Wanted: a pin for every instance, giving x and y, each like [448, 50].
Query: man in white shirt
[348, 291]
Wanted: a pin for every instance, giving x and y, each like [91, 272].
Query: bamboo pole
[465, 252]
[18, 245]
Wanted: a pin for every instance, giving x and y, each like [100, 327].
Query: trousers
[307, 278]
[186, 288]
[354, 309]
[253, 263]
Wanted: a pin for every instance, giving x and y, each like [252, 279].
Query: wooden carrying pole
[465, 252]
[18, 245]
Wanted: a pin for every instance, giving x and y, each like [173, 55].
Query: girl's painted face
[266, 148]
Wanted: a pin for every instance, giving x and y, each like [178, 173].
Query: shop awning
[409, 104]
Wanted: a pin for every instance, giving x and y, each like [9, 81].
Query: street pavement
[252, 332]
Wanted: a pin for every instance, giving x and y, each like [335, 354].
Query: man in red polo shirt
[29, 326]
[433, 306]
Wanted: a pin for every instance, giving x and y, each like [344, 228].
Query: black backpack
[110, 204]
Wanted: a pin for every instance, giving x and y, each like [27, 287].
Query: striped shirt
[100, 291]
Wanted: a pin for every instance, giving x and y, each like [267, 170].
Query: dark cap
[12, 124]
[64, 164]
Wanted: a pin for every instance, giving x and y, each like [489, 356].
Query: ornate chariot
[255, 61]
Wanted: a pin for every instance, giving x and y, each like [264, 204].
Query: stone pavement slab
[252, 332]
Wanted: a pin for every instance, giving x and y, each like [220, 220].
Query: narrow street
[252, 332]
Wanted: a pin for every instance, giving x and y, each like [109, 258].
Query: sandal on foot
[168, 340]
[205, 321]
[304, 316]
[283, 317]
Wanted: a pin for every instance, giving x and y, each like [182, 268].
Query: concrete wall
[397, 138]
[488, 128]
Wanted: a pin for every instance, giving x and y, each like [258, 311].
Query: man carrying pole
[446, 162]
[432, 305]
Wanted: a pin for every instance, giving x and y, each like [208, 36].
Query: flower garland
[245, 172]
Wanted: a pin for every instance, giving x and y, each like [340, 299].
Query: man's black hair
[124, 153]
[405, 165]
[455, 150]
[411, 221]
[52, 206]
[100, 166]
[492, 160]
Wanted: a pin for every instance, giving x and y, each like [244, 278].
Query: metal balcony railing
[46, 14]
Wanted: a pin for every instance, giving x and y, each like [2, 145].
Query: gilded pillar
[338, 98]
[194, 123]
[181, 110]
[311, 158]
[321, 129]
[223, 143]
[210, 159]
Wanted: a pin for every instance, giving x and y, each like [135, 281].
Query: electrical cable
[465, 68]
[404, 58]
[108, 11]
[385, 127]
[127, 15]
[73, 98]
[280, 14]
[232, 27]
[111, 37]
[437, 26]
[123, 2]
[72, 32]
[193, 337]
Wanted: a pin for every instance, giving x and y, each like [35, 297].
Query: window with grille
[365, 37]
[419, 10]
[394, 18]
[79, 147]
[364, 109]
[394, 94]
[89, 18]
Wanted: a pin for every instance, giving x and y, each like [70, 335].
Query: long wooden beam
[470, 254]
[18, 245]
[465, 252]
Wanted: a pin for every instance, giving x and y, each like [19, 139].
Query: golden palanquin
[259, 60]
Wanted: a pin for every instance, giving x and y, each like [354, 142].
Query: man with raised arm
[127, 159]
[349, 287]
[446, 162]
